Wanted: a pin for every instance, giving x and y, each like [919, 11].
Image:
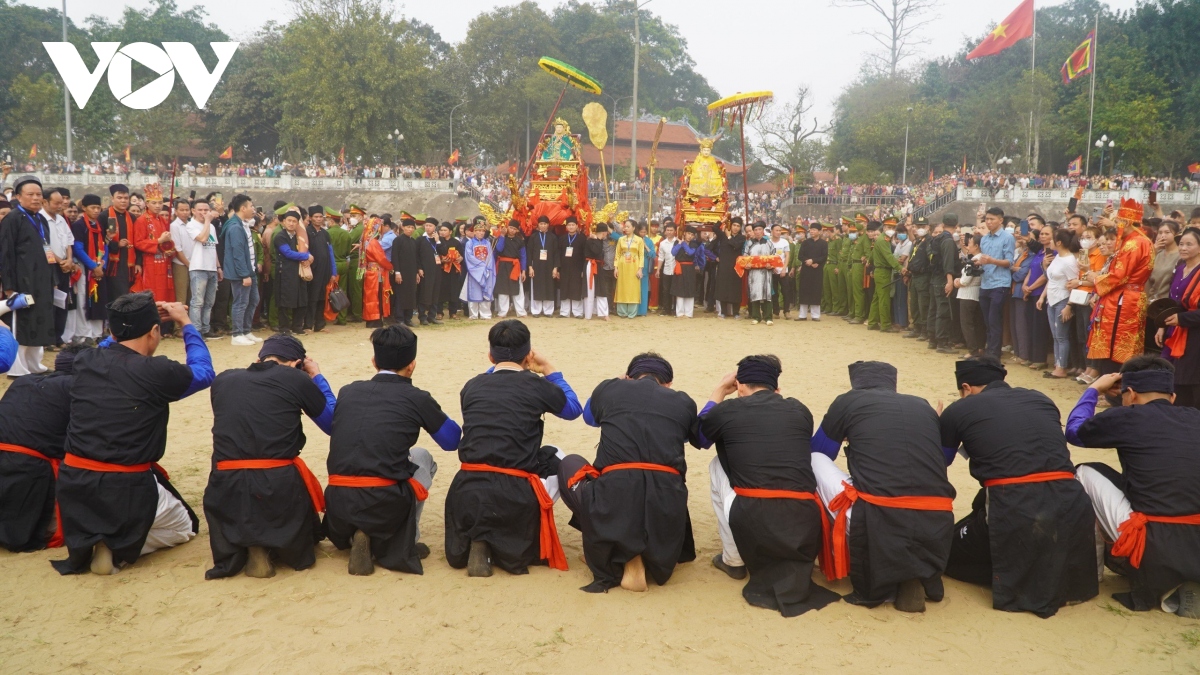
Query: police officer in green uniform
[859, 252]
[829, 277]
[884, 266]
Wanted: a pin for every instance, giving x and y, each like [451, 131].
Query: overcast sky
[780, 44]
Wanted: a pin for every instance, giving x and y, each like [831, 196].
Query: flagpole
[1092, 105]
[1032, 94]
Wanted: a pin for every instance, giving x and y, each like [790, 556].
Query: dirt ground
[162, 616]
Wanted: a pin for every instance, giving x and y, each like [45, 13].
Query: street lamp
[1003, 162]
[837, 174]
[615, 103]
[1103, 143]
[637, 49]
[396, 137]
[904, 172]
[452, 125]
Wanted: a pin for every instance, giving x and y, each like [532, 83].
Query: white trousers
[171, 526]
[517, 301]
[78, 326]
[803, 311]
[595, 305]
[829, 481]
[722, 501]
[537, 306]
[480, 310]
[28, 361]
[571, 308]
[426, 470]
[1108, 501]
[684, 306]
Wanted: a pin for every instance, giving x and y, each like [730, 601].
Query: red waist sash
[1044, 477]
[826, 554]
[515, 274]
[310, 481]
[336, 480]
[679, 266]
[551, 548]
[56, 540]
[842, 503]
[1131, 540]
[589, 470]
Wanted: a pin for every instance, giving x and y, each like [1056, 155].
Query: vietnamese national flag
[1079, 63]
[1194, 167]
[33, 151]
[1014, 28]
[453, 158]
[228, 154]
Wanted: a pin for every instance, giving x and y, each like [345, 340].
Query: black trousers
[666, 299]
[731, 308]
[315, 315]
[971, 548]
[940, 316]
[783, 289]
[222, 307]
[291, 318]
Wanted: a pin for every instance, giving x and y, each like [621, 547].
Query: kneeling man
[262, 502]
[378, 481]
[897, 491]
[770, 519]
[500, 506]
[631, 505]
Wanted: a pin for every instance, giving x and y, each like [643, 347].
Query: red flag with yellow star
[1014, 28]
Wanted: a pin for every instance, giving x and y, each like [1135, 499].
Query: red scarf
[115, 223]
[1190, 301]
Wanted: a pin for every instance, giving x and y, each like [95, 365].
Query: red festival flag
[1075, 167]
[453, 158]
[931, 175]
[1014, 28]
[342, 155]
[33, 151]
[1079, 63]
[127, 154]
[1194, 167]
[228, 154]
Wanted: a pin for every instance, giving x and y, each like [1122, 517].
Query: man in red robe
[152, 236]
[1118, 323]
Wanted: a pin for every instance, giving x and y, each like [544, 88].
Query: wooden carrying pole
[653, 162]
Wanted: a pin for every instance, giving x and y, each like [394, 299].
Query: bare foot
[634, 578]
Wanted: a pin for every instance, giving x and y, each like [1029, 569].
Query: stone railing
[1057, 195]
[229, 183]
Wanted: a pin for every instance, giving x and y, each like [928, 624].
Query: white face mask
[1010, 229]
[853, 236]
[353, 221]
[1086, 244]
[956, 236]
[889, 233]
[921, 232]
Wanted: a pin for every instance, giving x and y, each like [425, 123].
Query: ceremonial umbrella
[737, 109]
[573, 77]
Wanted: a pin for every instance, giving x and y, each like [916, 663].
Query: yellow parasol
[569, 74]
[737, 109]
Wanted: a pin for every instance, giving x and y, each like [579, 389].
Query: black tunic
[894, 450]
[594, 250]
[96, 310]
[121, 227]
[23, 269]
[763, 442]
[571, 266]
[374, 425]
[1156, 445]
[429, 262]
[543, 278]
[404, 261]
[687, 279]
[120, 405]
[511, 248]
[452, 282]
[502, 426]
[1187, 366]
[33, 414]
[322, 267]
[729, 284]
[290, 290]
[256, 415]
[633, 512]
[812, 278]
[1041, 536]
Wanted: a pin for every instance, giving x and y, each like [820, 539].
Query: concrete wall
[439, 205]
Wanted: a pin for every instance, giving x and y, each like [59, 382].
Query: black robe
[542, 283]
[571, 268]
[256, 415]
[1035, 542]
[686, 283]
[594, 250]
[94, 244]
[894, 450]
[451, 284]
[502, 426]
[322, 267]
[429, 263]
[118, 276]
[636, 512]
[511, 247]
[375, 424]
[291, 291]
[120, 406]
[729, 284]
[1156, 445]
[812, 278]
[763, 443]
[404, 261]
[33, 414]
[23, 269]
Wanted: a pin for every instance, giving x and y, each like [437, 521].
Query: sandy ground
[162, 616]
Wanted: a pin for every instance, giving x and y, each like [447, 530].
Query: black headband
[1149, 381]
[977, 373]
[758, 372]
[134, 322]
[658, 367]
[282, 347]
[510, 354]
[395, 358]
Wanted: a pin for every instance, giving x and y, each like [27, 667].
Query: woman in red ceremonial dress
[377, 287]
[1118, 323]
[152, 236]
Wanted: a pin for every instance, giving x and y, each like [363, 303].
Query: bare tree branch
[904, 19]
[787, 134]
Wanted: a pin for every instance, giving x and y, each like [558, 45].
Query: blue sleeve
[332, 260]
[324, 421]
[675, 249]
[82, 257]
[588, 418]
[107, 342]
[705, 443]
[825, 445]
[291, 254]
[572, 409]
[949, 454]
[448, 436]
[199, 360]
[524, 263]
[8, 349]
[1083, 411]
